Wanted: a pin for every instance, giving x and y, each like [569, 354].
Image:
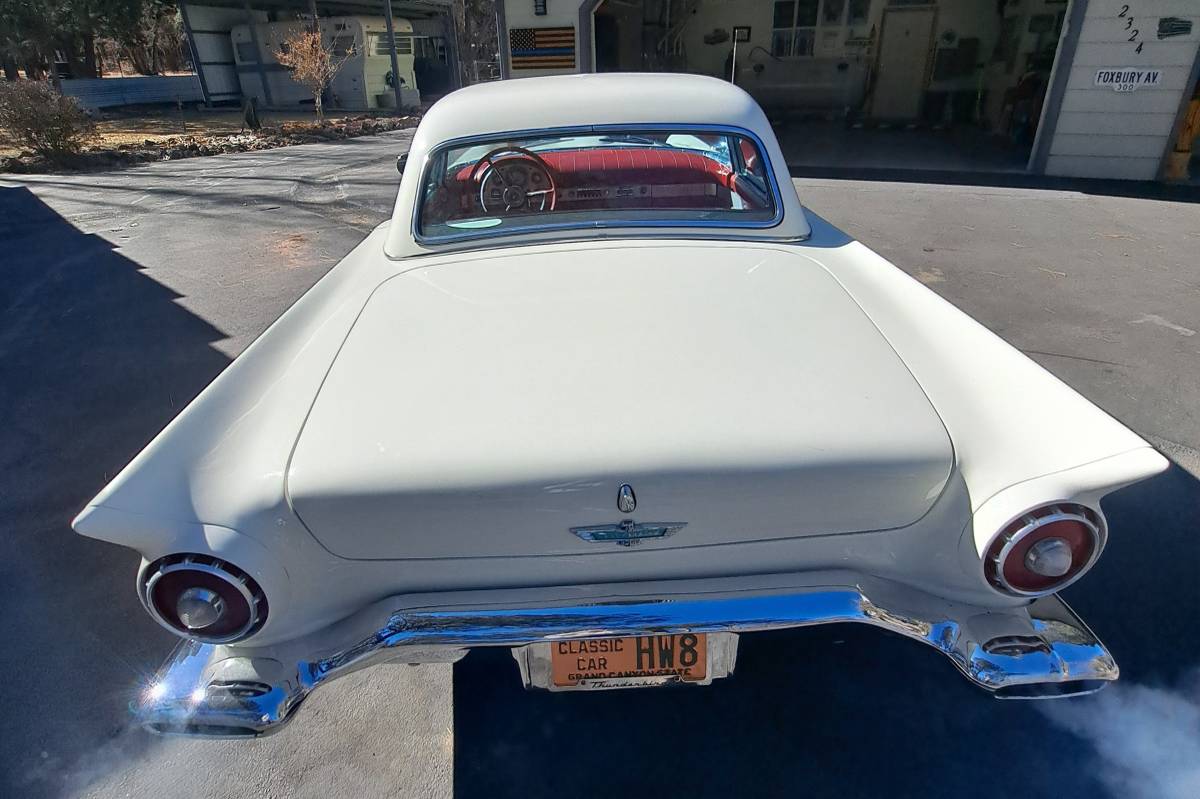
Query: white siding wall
[1105, 134]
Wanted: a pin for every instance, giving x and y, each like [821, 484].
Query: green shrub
[34, 115]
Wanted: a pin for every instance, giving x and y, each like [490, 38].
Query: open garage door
[876, 84]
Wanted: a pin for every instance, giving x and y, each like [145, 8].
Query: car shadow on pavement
[95, 358]
[846, 711]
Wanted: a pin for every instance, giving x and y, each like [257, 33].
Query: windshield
[595, 179]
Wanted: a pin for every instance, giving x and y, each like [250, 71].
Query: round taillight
[1044, 549]
[203, 598]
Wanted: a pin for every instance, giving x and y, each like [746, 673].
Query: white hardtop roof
[578, 100]
[570, 101]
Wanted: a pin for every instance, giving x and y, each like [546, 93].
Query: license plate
[629, 662]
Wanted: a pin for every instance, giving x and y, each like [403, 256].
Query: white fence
[109, 92]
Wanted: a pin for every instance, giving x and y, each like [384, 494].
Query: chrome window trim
[665, 234]
[607, 228]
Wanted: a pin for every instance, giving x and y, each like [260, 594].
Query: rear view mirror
[401, 160]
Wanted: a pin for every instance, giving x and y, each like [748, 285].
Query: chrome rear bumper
[1037, 650]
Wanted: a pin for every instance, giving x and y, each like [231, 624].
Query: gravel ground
[114, 128]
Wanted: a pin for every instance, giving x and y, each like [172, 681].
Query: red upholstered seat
[629, 165]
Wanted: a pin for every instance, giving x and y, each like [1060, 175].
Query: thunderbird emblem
[626, 533]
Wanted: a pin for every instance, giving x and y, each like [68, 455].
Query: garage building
[1081, 88]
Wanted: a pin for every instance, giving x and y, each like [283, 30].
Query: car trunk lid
[488, 406]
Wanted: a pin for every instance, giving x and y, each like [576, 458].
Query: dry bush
[312, 61]
[34, 115]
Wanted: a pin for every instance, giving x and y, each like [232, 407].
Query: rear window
[596, 179]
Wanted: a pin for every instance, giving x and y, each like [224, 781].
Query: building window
[378, 44]
[342, 45]
[798, 23]
[246, 53]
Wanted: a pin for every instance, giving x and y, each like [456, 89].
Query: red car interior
[617, 177]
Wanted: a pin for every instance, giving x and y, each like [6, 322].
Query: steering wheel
[514, 195]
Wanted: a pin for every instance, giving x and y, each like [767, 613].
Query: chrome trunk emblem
[626, 533]
[626, 499]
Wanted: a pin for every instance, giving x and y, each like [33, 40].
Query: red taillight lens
[204, 598]
[1044, 550]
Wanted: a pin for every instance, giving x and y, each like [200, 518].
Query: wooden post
[387, 14]
[453, 54]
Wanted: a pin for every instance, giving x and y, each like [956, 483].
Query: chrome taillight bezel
[1029, 523]
[242, 584]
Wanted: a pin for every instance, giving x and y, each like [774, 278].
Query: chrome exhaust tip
[204, 691]
[1050, 690]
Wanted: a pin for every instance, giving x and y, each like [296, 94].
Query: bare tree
[476, 36]
[312, 61]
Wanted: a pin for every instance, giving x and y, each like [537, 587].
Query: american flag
[542, 48]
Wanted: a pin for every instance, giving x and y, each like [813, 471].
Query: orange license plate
[621, 662]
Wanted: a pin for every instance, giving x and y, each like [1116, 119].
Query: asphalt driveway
[122, 294]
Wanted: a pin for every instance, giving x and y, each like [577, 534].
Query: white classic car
[603, 393]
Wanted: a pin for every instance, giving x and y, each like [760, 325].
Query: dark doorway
[608, 54]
